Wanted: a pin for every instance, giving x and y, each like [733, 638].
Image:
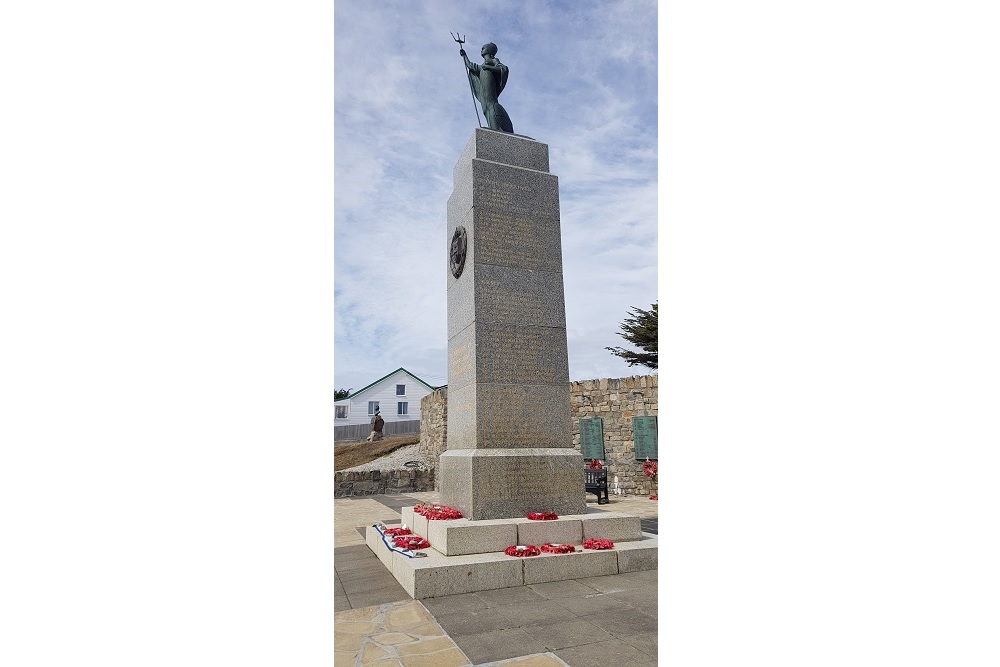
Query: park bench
[596, 482]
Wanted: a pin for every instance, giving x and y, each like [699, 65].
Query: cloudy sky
[583, 79]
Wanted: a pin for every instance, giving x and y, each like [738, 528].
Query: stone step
[436, 574]
[462, 537]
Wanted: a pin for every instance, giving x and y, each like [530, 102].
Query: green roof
[353, 394]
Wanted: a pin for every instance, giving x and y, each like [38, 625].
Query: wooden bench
[596, 482]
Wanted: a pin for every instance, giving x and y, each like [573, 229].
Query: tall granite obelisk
[510, 445]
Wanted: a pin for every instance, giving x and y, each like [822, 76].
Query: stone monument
[510, 446]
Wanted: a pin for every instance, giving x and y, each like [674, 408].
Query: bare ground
[355, 454]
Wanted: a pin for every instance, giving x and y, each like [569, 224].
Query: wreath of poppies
[595, 464]
[393, 532]
[542, 516]
[411, 542]
[522, 552]
[649, 468]
[437, 512]
[595, 543]
[558, 548]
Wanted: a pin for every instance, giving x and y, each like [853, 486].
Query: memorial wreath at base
[649, 470]
[595, 543]
[542, 516]
[522, 551]
[558, 548]
[412, 542]
[437, 512]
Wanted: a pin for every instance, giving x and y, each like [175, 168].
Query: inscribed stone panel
[462, 417]
[462, 358]
[517, 218]
[509, 354]
[523, 416]
[516, 296]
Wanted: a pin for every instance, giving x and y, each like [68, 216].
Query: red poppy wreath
[594, 543]
[394, 532]
[437, 512]
[542, 516]
[410, 542]
[558, 548]
[523, 551]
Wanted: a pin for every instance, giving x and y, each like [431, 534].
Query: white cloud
[583, 81]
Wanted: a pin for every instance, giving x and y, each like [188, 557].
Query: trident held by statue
[468, 75]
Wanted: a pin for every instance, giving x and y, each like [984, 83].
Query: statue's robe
[488, 82]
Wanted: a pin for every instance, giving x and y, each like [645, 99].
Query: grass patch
[358, 453]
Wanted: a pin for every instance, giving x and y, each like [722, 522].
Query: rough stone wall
[369, 482]
[610, 399]
[615, 402]
[434, 429]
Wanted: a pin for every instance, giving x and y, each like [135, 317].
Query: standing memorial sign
[644, 436]
[592, 438]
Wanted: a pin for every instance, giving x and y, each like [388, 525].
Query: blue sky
[583, 79]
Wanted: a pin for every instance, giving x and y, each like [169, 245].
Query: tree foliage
[340, 393]
[641, 330]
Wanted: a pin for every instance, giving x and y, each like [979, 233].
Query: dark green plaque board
[644, 435]
[592, 438]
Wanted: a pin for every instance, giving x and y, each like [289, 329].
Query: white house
[397, 395]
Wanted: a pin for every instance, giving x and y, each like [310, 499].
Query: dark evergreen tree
[641, 331]
[340, 393]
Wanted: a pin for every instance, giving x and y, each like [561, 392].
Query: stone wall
[369, 482]
[616, 401]
[434, 428]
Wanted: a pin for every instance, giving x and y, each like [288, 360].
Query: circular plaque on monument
[456, 254]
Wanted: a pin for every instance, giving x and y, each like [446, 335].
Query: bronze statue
[487, 82]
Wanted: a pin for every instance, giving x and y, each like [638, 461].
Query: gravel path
[394, 461]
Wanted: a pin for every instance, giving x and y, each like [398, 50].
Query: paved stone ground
[580, 622]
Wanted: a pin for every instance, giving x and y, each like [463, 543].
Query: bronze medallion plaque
[456, 254]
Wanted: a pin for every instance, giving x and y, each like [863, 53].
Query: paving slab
[603, 654]
[567, 632]
[498, 644]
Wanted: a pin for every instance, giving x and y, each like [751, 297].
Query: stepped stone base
[467, 556]
[461, 537]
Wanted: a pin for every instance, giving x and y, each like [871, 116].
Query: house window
[402, 408]
[372, 407]
[400, 390]
[341, 412]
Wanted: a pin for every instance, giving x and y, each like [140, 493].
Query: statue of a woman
[488, 81]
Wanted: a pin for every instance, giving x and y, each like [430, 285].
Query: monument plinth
[510, 445]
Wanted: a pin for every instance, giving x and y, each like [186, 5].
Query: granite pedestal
[510, 444]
